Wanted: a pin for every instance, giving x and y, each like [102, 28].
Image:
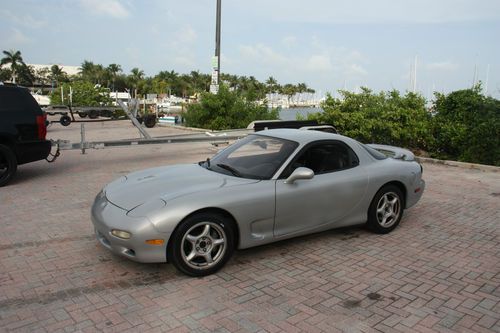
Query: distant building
[70, 70]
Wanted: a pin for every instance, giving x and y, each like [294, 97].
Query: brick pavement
[438, 271]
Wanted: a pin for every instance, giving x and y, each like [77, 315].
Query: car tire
[65, 120]
[8, 164]
[386, 210]
[201, 244]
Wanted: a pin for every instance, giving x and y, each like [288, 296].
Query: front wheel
[8, 164]
[202, 244]
[386, 209]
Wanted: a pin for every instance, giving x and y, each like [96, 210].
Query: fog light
[121, 234]
[155, 241]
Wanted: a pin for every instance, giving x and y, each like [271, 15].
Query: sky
[328, 44]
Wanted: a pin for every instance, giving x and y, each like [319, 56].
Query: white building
[70, 70]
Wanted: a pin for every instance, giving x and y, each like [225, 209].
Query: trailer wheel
[139, 119]
[65, 120]
[150, 120]
[82, 114]
[93, 114]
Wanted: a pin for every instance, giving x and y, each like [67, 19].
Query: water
[291, 114]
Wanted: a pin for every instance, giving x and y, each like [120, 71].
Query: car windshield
[254, 157]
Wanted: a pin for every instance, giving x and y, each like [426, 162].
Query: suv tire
[8, 164]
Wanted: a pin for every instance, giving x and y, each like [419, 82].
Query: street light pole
[214, 86]
[217, 39]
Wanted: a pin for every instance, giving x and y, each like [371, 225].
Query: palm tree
[271, 84]
[87, 70]
[113, 70]
[136, 75]
[15, 60]
[57, 74]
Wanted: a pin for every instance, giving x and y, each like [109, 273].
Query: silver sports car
[266, 187]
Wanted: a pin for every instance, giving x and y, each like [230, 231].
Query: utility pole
[415, 75]
[214, 86]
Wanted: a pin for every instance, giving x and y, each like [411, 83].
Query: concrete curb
[194, 129]
[464, 165]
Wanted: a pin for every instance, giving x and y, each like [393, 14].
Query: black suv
[22, 130]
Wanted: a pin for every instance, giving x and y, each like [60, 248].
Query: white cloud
[16, 37]
[289, 41]
[311, 61]
[369, 11]
[447, 66]
[181, 47]
[356, 69]
[187, 34]
[319, 63]
[25, 20]
[111, 8]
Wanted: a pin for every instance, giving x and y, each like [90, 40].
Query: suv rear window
[16, 100]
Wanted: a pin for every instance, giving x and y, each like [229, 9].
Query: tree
[135, 78]
[226, 110]
[16, 62]
[57, 75]
[466, 127]
[385, 118]
[113, 70]
[84, 94]
[271, 85]
[289, 90]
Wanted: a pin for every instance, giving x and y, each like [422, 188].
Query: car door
[337, 187]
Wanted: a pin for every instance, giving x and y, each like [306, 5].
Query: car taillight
[42, 128]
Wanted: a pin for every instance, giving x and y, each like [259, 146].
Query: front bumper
[106, 217]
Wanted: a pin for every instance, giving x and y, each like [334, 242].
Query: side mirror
[299, 173]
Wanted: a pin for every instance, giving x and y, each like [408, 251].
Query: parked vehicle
[271, 185]
[22, 131]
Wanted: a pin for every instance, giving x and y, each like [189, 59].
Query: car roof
[302, 136]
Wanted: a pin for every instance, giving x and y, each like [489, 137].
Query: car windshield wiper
[230, 169]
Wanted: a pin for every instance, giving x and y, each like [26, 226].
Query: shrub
[226, 110]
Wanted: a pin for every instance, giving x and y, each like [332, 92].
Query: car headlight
[121, 233]
[146, 208]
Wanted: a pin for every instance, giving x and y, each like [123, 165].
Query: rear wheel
[386, 209]
[82, 114]
[8, 164]
[202, 244]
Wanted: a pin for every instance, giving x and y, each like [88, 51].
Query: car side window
[324, 158]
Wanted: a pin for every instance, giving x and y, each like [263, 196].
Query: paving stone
[438, 271]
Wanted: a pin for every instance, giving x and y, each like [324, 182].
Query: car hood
[166, 183]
